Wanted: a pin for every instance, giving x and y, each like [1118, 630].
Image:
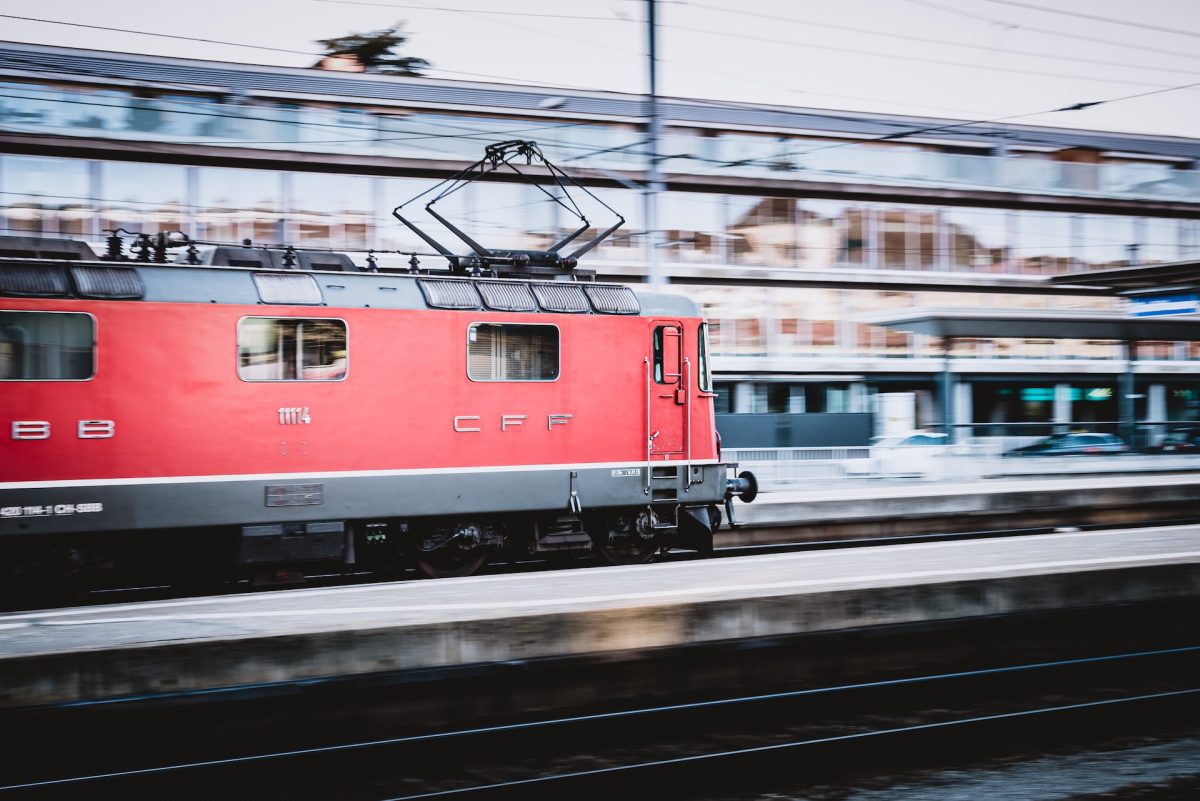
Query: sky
[963, 59]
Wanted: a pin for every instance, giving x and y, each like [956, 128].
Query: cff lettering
[469, 423]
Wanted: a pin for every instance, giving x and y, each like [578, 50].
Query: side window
[503, 352]
[667, 363]
[291, 349]
[47, 346]
[703, 373]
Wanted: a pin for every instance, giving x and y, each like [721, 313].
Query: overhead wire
[471, 10]
[474, 134]
[176, 36]
[704, 67]
[266, 48]
[966, 123]
[1096, 18]
[1051, 32]
[810, 23]
[908, 57]
[695, 101]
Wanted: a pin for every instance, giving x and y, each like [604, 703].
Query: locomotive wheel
[460, 553]
[451, 562]
[627, 539]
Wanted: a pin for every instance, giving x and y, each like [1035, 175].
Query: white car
[918, 453]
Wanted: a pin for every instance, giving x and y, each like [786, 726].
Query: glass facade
[338, 126]
[42, 195]
[46, 196]
[141, 197]
[75, 197]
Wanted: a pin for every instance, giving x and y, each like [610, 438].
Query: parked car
[915, 453]
[1179, 440]
[1071, 444]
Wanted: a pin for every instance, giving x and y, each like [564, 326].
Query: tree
[373, 52]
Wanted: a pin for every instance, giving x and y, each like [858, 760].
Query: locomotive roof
[177, 283]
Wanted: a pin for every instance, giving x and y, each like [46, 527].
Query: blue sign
[1164, 305]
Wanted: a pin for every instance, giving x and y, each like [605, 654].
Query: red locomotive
[279, 406]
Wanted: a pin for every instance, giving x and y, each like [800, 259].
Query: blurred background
[813, 171]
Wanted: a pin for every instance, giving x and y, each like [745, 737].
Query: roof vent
[27, 280]
[448, 293]
[325, 260]
[561, 296]
[613, 299]
[108, 283]
[44, 247]
[507, 296]
[287, 288]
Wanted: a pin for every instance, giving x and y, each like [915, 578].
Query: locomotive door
[666, 392]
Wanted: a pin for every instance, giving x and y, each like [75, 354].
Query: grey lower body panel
[132, 506]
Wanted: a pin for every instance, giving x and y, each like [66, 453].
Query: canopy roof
[1037, 324]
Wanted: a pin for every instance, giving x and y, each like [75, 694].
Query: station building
[797, 229]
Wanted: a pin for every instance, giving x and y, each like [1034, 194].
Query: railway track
[707, 749]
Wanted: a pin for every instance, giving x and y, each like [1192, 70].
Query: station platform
[846, 509]
[106, 653]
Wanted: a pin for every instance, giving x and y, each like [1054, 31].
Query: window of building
[291, 349]
[47, 346]
[142, 197]
[512, 352]
[236, 204]
[332, 211]
[723, 403]
[45, 196]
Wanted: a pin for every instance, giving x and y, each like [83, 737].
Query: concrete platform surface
[60, 656]
[861, 501]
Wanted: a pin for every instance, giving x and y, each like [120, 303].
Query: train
[266, 410]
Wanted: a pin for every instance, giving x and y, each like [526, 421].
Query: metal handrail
[687, 418]
[649, 436]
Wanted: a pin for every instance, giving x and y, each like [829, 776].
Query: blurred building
[789, 225]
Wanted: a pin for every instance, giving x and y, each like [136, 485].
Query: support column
[1062, 408]
[1126, 424]
[743, 397]
[963, 411]
[284, 227]
[96, 184]
[654, 182]
[858, 399]
[191, 200]
[1156, 412]
[945, 389]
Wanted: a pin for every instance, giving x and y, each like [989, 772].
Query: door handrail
[687, 419]
[649, 438]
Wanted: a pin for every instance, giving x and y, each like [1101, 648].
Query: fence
[782, 466]
[791, 468]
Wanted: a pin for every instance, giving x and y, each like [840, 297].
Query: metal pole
[653, 177]
[947, 390]
[1126, 389]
